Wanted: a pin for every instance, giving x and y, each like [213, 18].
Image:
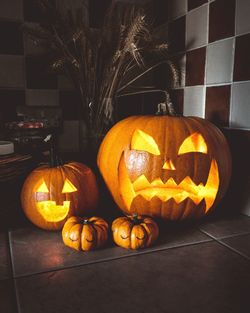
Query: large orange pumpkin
[52, 194]
[165, 166]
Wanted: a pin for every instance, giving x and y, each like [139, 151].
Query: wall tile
[238, 197]
[42, 97]
[30, 48]
[12, 71]
[177, 42]
[11, 9]
[176, 8]
[242, 58]
[9, 99]
[177, 98]
[220, 58]
[195, 67]
[218, 105]
[132, 105]
[195, 3]
[68, 140]
[194, 101]
[240, 107]
[159, 10]
[11, 38]
[33, 12]
[221, 19]
[38, 73]
[64, 83]
[97, 11]
[182, 59]
[242, 16]
[70, 104]
[197, 28]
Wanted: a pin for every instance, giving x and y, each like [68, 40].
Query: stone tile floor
[202, 267]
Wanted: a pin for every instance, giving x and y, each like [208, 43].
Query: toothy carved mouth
[170, 189]
[52, 212]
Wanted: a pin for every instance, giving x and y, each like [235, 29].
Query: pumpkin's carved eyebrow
[193, 143]
[144, 142]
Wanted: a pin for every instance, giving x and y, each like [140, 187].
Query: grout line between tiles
[17, 304]
[132, 254]
[219, 240]
[233, 249]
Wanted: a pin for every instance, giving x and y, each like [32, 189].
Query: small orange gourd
[134, 232]
[85, 233]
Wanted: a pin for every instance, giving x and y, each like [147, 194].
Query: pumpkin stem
[135, 219]
[167, 107]
[85, 222]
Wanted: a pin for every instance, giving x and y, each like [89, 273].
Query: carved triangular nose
[169, 165]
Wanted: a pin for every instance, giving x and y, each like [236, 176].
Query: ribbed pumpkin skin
[83, 201]
[169, 133]
[85, 234]
[134, 233]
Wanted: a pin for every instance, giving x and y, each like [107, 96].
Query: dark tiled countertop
[202, 267]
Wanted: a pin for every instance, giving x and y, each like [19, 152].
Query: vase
[89, 143]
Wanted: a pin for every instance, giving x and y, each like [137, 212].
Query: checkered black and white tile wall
[211, 40]
[25, 79]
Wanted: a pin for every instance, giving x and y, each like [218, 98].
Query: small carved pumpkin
[172, 167]
[52, 194]
[134, 232]
[85, 234]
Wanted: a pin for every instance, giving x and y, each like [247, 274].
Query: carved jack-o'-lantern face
[171, 167]
[48, 208]
[136, 172]
[52, 194]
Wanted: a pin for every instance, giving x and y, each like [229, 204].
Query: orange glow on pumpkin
[52, 212]
[194, 143]
[49, 209]
[68, 187]
[169, 165]
[43, 188]
[144, 142]
[170, 189]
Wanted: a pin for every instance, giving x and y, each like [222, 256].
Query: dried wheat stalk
[103, 64]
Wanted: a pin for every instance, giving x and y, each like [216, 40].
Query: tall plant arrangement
[103, 64]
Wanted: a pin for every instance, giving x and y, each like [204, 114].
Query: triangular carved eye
[193, 143]
[143, 142]
[68, 186]
[43, 188]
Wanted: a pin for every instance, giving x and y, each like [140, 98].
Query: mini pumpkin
[134, 232]
[85, 233]
[172, 167]
[52, 194]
